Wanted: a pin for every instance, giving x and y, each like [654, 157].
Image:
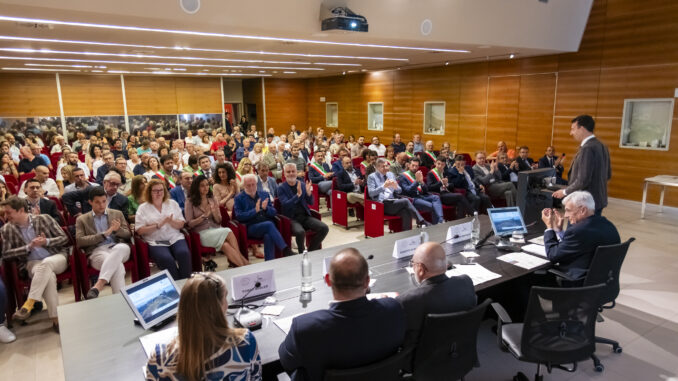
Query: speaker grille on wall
[426, 27]
[190, 6]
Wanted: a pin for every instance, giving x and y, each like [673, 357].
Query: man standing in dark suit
[590, 169]
[573, 250]
[354, 331]
[436, 294]
[549, 160]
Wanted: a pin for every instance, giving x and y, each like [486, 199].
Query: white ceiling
[278, 38]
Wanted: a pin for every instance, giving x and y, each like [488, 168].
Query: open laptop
[506, 221]
[154, 299]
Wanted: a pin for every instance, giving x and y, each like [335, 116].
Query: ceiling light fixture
[258, 52]
[219, 35]
[511, 56]
[289, 72]
[36, 69]
[153, 63]
[165, 73]
[59, 65]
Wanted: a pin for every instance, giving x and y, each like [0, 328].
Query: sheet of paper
[380, 295]
[469, 254]
[409, 269]
[538, 240]
[148, 342]
[286, 323]
[523, 260]
[477, 273]
[372, 282]
[273, 310]
[535, 249]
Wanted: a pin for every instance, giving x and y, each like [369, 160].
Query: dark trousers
[269, 233]
[3, 301]
[175, 258]
[404, 209]
[480, 201]
[430, 203]
[460, 202]
[302, 223]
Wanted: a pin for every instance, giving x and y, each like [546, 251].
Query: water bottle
[306, 278]
[475, 232]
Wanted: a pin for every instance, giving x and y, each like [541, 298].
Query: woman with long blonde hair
[205, 345]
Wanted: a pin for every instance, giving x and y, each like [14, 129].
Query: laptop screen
[506, 221]
[153, 299]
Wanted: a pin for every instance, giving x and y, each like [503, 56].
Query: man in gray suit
[590, 169]
[436, 294]
[490, 176]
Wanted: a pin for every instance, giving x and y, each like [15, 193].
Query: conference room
[182, 169]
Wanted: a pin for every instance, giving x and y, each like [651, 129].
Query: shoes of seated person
[37, 307]
[423, 224]
[93, 293]
[22, 314]
[55, 327]
[6, 336]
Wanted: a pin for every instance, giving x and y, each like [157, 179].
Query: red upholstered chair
[340, 207]
[375, 218]
[356, 162]
[21, 286]
[25, 177]
[86, 271]
[12, 184]
[240, 231]
[57, 201]
[144, 259]
[424, 170]
[316, 199]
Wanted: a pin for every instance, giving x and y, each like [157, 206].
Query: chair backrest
[605, 268]
[388, 369]
[447, 345]
[559, 326]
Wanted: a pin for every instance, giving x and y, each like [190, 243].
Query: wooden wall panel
[91, 95]
[287, 101]
[577, 93]
[198, 95]
[590, 51]
[406, 118]
[471, 133]
[150, 95]
[23, 95]
[535, 111]
[502, 110]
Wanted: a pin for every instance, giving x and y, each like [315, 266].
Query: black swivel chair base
[540, 377]
[616, 348]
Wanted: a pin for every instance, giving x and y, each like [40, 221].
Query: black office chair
[447, 346]
[604, 269]
[389, 369]
[559, 328]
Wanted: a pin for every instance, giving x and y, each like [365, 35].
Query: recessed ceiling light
[256, 52]
[166, 73]
[36, 69]
[218, 35]
[344, 73]
[447, 63]
[511, 56]
[97, 71]
[154, 63]
[179, 68]
[289, 72]
[59, 65]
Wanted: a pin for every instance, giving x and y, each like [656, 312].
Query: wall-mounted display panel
[646, 124]
[331, 114]
[375, 116]
[434, 118]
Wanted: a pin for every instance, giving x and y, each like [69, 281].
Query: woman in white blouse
[153, 167]
[158, 222]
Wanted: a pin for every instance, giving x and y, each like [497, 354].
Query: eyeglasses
[157, 191]
[114, 184]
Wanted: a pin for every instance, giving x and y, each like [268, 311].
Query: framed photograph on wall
[331, 114]
[646, 124]
[434, 118]
[375, 116]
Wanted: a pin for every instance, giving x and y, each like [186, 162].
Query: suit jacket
[432, 182]
[88, 238]
[505, 171]
[289, 199]
[436, 295]
[524, 164]
[177, 194]
[411, 189]
[545, 163]
[480, 176]
[344, 182]
[459, 180]
[337, 167]
[316, 176]
[14, 246]
[348, 334]
[575, 250]
[590, 171]
[118, 202]
[272, 186]
[101, 173]
[49, 207]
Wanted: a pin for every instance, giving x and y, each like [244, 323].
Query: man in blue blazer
[294, 201]
[354, 331]
[180, 192]
[573, 249]
[413, 185]
[265, 183]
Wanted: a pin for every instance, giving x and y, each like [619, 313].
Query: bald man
[353, 331]
[436, 294]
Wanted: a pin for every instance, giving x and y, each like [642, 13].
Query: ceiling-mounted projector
[343, 18]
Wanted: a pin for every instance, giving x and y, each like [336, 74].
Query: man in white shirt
[379, 148]
[72, 159]
[48, 185]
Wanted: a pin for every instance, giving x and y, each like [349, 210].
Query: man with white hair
[436, 294]
[573, 250]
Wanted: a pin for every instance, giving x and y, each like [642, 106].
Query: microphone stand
[246, 310]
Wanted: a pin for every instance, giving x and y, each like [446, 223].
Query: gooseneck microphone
[246, 317]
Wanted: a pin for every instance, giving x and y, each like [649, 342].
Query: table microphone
[246, 317]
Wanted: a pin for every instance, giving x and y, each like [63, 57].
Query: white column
[64, 132]
[223, 109]
[124, 102]
[263, 101]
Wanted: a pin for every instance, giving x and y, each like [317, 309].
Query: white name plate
[242, 284]
[405, 247]
[459, 232]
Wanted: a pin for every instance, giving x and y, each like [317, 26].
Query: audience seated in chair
[319, 173]
[104, 235]
[76, 202]
[351, 181]
[49, 186]
[461, 176]
[437, 181]
[412, 184]
[266, 183]
[38, 204]
[490, 177]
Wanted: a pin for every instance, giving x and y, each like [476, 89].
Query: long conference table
[100, 341]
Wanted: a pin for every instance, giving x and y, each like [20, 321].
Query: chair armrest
[562, 275]
[316, 214]
[503, 318]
